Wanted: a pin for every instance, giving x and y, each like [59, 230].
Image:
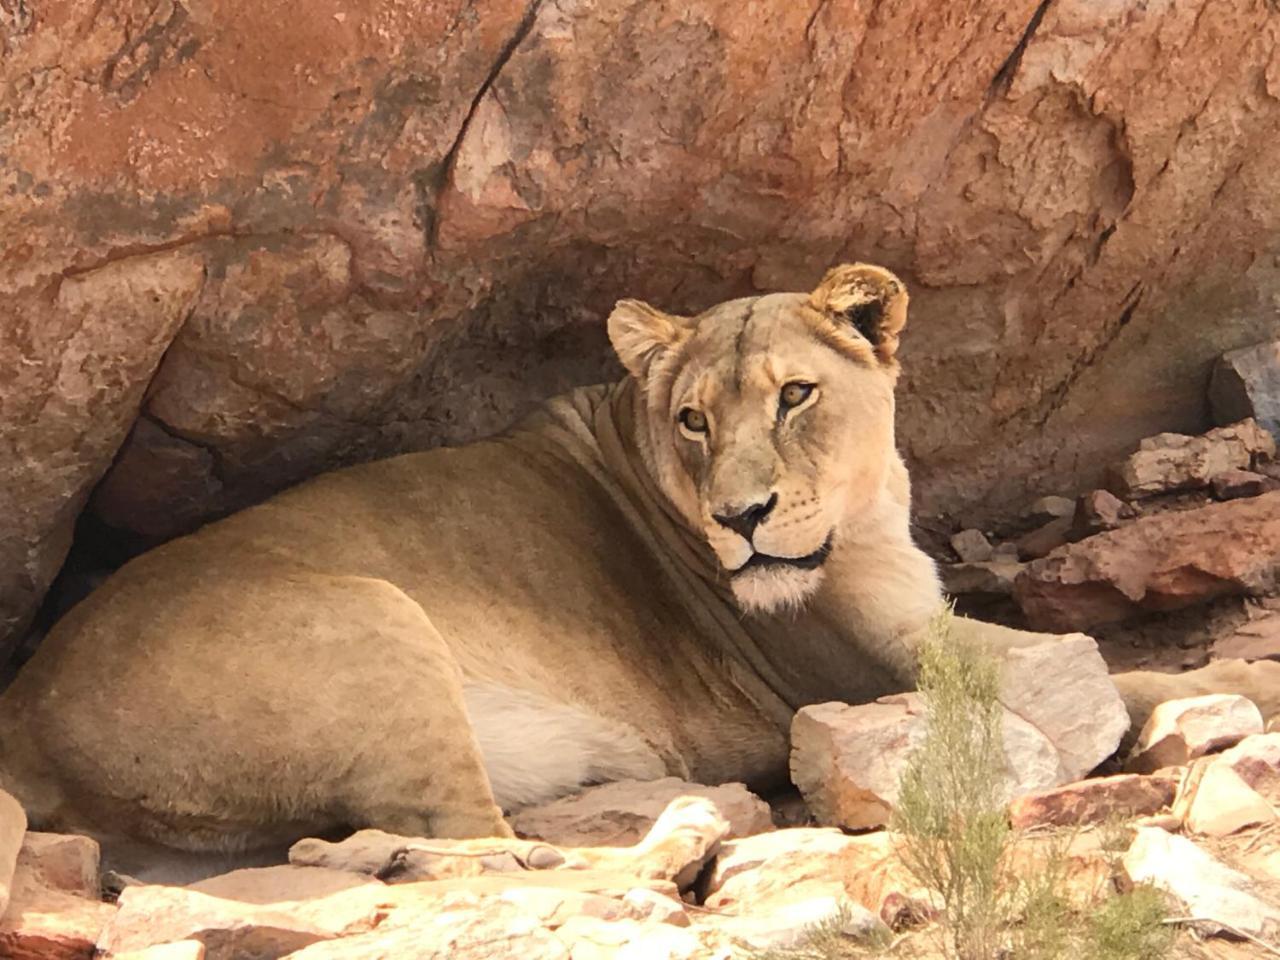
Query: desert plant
[955, 839]
[950, 812]
[1130, 926]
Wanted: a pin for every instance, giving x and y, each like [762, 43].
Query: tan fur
[353, 652]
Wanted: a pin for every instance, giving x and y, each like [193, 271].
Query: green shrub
[950, 813]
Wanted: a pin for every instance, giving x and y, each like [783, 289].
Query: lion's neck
[831, 649]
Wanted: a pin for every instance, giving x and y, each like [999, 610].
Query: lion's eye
[794, 394]
[695, 421]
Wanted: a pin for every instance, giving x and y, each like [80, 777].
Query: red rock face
[1162, 562]
[387, 225]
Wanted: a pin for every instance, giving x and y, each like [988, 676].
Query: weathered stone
[1207, 888]
[644, 904]
[761, 873]
[263, 885]
[229, 929]
[1257, 760]
[1224, 803]
[848, 760]
[1005, 553]
[791, 925]
[1255, 640]
[621, 813]
[182, 950]
[80, 356]
[1160, 562]
[501, 173]
[1044, 540]
[47, 924]
[459, 927]
[992, 578]
[681, 840]
[1052, 685]
[1246, 383]
[1179, 731]
[1047, 509]
[1096, 511]
[64, 862]
[1174, 461]
[1093, 801]
[971, 546]
[1235, 484]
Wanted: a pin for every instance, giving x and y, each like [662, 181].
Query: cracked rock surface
[240, 245]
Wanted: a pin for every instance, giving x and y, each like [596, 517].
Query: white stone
[1179, 731]
[1063, 689]
[1224, 803]
[1206, 887]
[790, 925]
[848, 760]
[619, 814]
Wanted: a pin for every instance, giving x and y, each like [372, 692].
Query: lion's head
[769, 421]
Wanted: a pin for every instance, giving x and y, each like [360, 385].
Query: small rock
[971, 546]
[47, 924]
[619, 814]
[1224, 803]
[1093, 801]
[899, 912]
[789, 926]
[62, 861]
[462, 925]
[230, 930]
[644, 904]
[1246, 383]
[848, 760]
[1206, 887]
[280, 884]
[1236, 484]
[182, 950]
[1257, 761]
[758, 874]
[1044, 540]
[1097, 511]
[1005, 553]
[13, 826]
[1047, 509]
[1179, 731]
[1173, 461]
[992, 578]
[1161, 562]
[1256, 640]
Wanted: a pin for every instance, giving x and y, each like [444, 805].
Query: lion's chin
[775, 589]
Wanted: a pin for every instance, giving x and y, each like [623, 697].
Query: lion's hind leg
[262, 706]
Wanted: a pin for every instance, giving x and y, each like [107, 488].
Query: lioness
[643, 579]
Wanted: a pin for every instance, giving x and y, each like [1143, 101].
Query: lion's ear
[640, 332]
[867, 299]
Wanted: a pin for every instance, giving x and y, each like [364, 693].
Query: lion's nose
[744, 522]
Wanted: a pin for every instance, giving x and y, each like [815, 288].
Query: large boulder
[1165, 561]
[394, 225]
[1246, 383]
